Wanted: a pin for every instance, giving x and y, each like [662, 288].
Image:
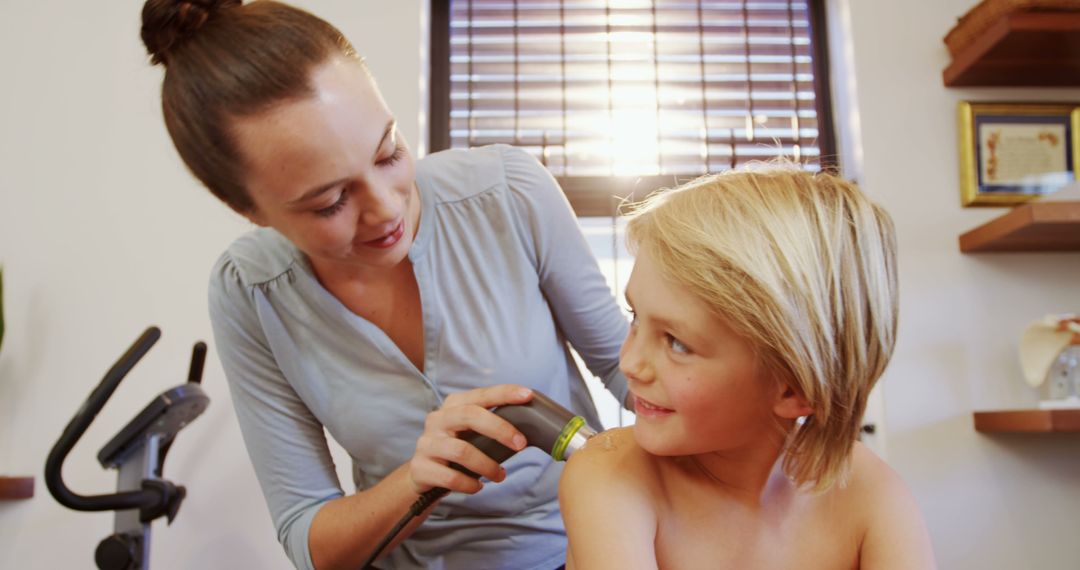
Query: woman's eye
[677, 345]
[335, 207]
[391, 160]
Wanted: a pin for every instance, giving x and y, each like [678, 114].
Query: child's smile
[646, 409]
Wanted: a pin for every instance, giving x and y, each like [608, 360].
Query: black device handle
[75, 429]
[540, 420]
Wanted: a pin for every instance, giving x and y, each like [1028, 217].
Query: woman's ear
[790, 404]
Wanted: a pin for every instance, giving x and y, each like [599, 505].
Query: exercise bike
[138, 452]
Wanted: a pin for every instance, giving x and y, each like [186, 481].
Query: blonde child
[764, 310]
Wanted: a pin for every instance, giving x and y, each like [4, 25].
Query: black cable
[416, 509]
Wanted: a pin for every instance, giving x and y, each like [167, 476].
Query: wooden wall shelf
[1021, 49]
[1029, 421]
[12, 488]
[1036, 226]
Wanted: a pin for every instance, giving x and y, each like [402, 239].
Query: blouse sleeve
[285, 441]
[570, 278]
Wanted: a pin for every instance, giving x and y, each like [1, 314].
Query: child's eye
[633, 316]
[677, 345]
[335, 207]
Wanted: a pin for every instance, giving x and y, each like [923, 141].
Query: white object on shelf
[1066, 194]
[1070, 403]
[1041, 343]
[1050, 359]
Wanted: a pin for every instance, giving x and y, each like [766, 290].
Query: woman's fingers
[490, 396]
[450, 422]
[427, 474]
[439, 445]
[429, 467]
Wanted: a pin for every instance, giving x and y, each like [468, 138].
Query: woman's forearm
[346, 530]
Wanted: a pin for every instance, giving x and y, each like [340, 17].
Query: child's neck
[751, 476]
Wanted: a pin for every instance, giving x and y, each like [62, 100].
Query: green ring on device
[568, 431]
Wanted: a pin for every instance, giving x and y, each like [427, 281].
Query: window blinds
[641, 89]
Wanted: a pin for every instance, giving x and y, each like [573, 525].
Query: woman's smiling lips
[645, 408]
[389, 239]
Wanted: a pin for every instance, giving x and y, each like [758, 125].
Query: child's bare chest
[706, 534]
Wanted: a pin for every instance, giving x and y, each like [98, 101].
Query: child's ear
[790, 404]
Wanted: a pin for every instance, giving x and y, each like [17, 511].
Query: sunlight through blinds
[636, 88]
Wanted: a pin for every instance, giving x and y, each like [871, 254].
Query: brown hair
[225, 60]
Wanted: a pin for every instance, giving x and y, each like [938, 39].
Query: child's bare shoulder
[609, 504]
[893, 532]
[870, 475]
[614, 448]
[611, 459]
[875, 490]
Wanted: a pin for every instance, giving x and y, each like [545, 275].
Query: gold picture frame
[1014, 152]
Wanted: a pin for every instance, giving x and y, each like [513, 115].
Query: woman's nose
[380, 205]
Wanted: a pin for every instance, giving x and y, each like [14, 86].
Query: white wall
[102, 233]
[992, 502]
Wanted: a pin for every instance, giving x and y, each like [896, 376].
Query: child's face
[696, 385]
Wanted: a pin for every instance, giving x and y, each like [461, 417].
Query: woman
[388, 301]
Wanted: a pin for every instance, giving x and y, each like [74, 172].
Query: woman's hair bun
[168, 23]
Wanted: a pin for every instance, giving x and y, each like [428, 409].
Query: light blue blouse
[506, 283]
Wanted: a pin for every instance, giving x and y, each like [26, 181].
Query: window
[620, 96]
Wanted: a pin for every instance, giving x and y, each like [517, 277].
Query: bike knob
[116, 552]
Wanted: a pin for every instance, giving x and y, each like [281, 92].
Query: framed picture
[1014, 152]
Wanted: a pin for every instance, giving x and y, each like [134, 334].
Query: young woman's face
[695, 383]
[332, 173]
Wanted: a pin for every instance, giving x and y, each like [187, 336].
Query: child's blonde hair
[802, 265]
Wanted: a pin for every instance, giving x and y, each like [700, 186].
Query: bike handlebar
[75, 429]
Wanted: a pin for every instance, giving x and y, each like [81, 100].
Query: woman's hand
[439, 445]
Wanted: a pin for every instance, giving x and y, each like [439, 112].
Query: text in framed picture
[1014, 152]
